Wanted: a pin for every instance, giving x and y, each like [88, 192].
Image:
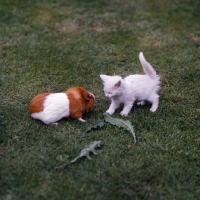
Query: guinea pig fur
[51, 107]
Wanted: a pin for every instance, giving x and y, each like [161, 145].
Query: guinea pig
[51, 107]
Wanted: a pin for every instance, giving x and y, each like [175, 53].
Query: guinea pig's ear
[86, 95]
[89, 96]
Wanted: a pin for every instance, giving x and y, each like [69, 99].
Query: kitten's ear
[118, 84]
[104, 77]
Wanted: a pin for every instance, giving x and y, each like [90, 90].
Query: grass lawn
[51, 45]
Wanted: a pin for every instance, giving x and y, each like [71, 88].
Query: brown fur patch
[78, 101]
[37, 102]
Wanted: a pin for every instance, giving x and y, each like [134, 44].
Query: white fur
[56, 106]
[134, 87]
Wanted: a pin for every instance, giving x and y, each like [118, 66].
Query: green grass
[53, 45]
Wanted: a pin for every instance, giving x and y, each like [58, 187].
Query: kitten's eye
[106, 92]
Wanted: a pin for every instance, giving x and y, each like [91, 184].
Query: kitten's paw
[123, 114]
[109, 112]
[153, 109]
[141, 103]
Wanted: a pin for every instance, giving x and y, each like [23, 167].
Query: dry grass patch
[193, 37]
[159, 39]
[67, 26]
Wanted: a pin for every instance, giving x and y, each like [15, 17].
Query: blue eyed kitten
[132, 88]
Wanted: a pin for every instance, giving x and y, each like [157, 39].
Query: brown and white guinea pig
[51, 107]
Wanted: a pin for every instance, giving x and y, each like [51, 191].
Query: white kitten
[133, 87]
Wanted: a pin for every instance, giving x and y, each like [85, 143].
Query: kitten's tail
[148, 69]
